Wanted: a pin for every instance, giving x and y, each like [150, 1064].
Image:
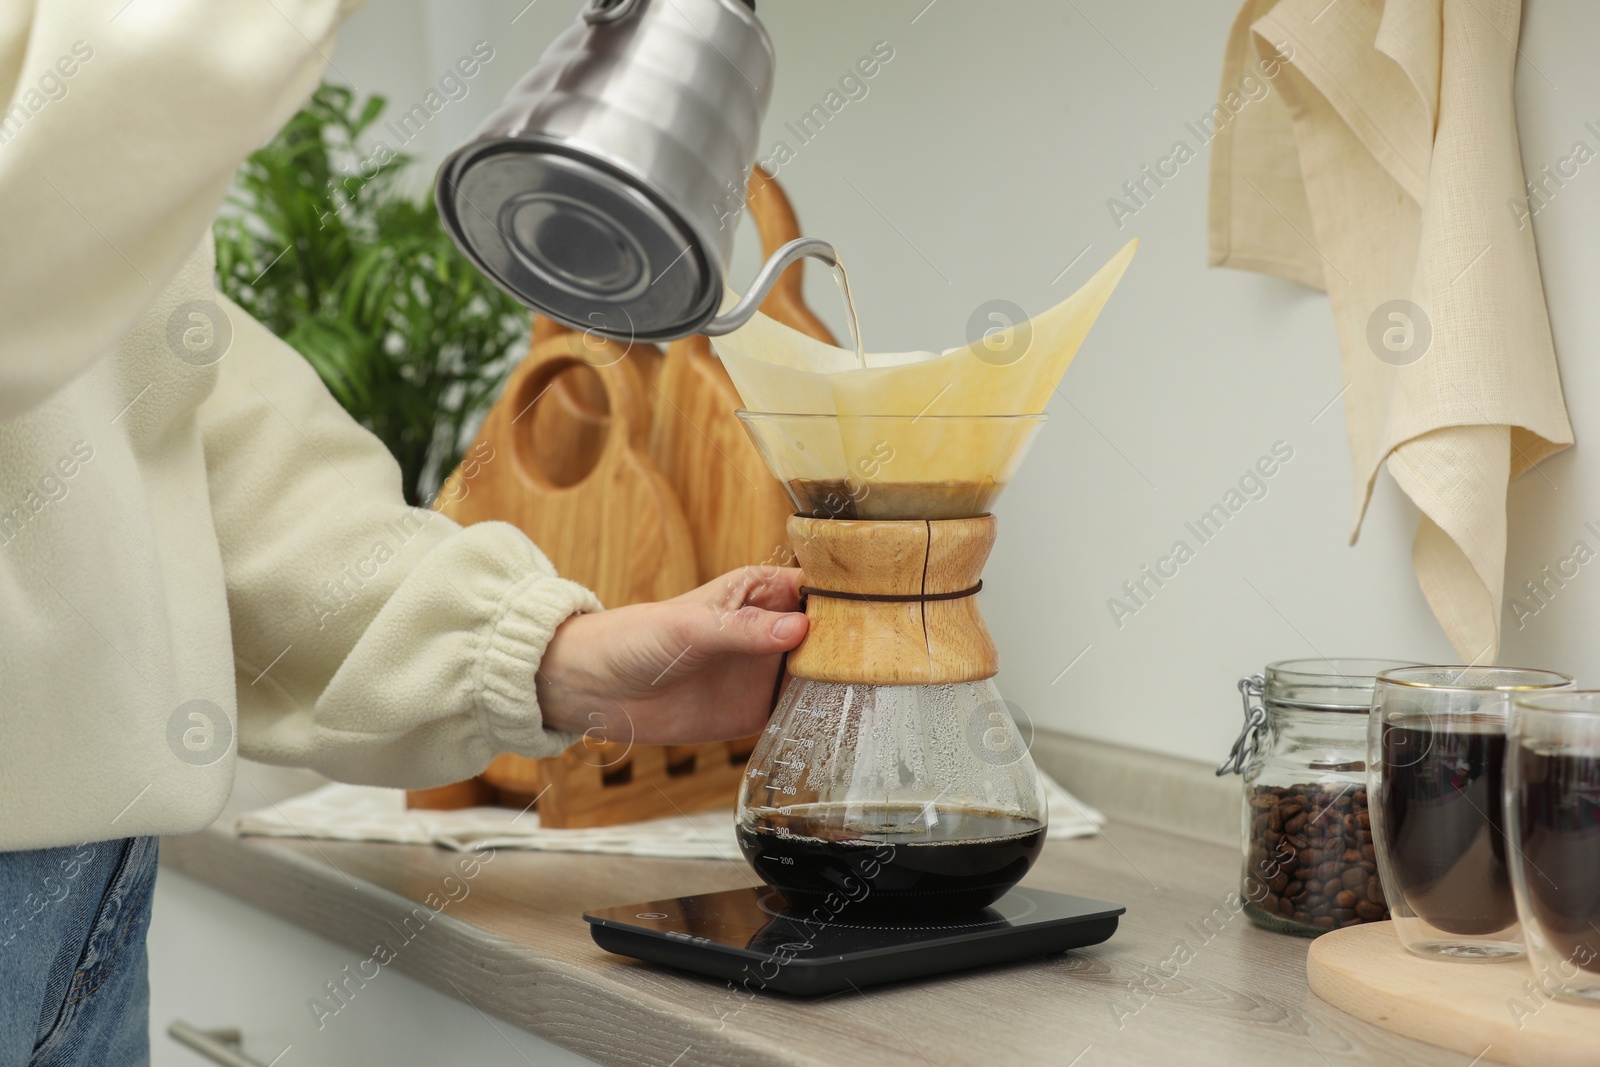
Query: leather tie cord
[907, 598]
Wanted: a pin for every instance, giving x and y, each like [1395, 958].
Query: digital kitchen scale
[753, 938]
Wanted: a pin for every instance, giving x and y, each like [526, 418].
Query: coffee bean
[1310, 856]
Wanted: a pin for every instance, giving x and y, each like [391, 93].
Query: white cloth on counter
[369, 813]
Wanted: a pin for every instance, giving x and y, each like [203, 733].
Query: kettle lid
[578, 240]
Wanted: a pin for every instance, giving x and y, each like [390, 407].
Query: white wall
[979, 166]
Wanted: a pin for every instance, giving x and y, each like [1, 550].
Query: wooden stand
[882, 641]
[1492, 1011]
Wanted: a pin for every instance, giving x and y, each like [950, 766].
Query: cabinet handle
[218, 1046]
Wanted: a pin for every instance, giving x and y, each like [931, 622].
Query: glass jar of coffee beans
[1309, 865]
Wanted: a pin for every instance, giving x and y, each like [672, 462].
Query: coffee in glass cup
[1436, 783]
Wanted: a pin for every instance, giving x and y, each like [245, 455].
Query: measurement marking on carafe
[714, 848]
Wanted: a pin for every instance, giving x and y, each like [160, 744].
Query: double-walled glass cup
[1436, 757]
[1553, 814]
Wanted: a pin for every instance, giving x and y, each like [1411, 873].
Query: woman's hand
[699, 667]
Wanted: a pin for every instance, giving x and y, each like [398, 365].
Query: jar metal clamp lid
[1339, 685]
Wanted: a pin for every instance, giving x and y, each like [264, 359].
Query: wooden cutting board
[1486, 1010]
[611, 522]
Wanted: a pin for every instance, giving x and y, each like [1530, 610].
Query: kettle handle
[798, 249]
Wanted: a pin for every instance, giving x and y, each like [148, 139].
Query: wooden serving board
[1489, 1010]
[617, 527]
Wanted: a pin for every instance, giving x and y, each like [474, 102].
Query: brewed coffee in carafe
[894, 801]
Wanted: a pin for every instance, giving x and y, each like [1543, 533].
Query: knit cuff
[530, 614]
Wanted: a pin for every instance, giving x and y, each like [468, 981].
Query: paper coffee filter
[908, 419]
[1011, 371]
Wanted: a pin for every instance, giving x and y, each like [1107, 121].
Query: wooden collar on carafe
[893, 602]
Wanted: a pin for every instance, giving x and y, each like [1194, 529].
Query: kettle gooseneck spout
[787, 255]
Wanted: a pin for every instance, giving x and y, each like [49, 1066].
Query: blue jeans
[73, 982]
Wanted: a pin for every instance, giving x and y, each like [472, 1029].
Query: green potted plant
[321, 242]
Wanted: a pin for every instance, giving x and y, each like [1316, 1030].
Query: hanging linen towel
[1385, 169]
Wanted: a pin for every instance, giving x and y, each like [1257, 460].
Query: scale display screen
[753, 938]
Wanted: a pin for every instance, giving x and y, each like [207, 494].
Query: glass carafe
[891, 800]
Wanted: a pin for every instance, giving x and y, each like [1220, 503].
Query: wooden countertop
[1183, 977]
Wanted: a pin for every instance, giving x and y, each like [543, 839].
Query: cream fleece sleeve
[374, 642]
[117, 143]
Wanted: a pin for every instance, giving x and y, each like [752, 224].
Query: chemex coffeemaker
[891, 805]
[891, 776]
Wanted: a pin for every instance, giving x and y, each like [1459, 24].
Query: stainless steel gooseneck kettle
[604, 190]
